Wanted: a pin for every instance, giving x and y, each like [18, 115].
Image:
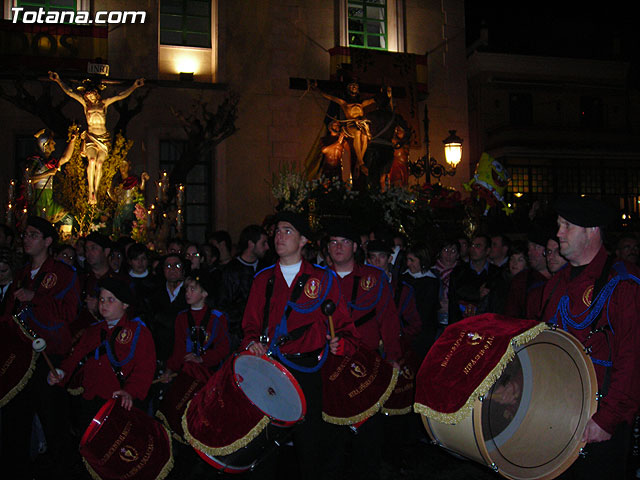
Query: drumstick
[39, 345]
[173, 375]
[328, 307]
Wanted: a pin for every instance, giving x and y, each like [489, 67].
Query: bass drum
[530, 423]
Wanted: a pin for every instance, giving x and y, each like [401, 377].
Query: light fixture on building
[186, 76]
[429, 165]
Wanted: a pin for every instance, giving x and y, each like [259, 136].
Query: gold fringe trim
[165, 422]
[91, 471]
[161, 475]
[21, 384]
[169, 465]
[227, 449]
[75, 391]
[370, 411]
[396, 411]
[486, 384]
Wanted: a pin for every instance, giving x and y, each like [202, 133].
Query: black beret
[379, 246]
[343, 229]
[203, 278]
[44, 226]
[99, 239]
[585, 211]
[118, 287]
[297, 221]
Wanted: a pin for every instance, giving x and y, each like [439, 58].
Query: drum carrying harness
[281, 335]
[109, 349]
[197, 341]
[370, 306]
[593, 313]
[37, 281]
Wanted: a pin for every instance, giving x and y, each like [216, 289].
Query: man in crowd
[237, 277]
[97, 251]
[167, 302]
[45, 295]
[499, 252]
[609, 329]
[475, 287]
[555, 260]
[525, 292]
[288, 296]
[627, 249]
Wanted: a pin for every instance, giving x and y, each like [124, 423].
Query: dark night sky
[561, 28]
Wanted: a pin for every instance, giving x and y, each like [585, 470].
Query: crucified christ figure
[96, 140]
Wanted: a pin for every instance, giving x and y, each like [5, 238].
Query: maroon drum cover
[244, 396]
[401, 400]
[355, 387]
[126, 444]
[174, 403]
[17, 361]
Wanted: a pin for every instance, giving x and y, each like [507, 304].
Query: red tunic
[621, 402]
[98, 378]
[55, 303]
[321, 284]
[216, 344]
[373, 297]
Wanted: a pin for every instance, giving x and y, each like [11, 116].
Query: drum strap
[354, 291]
[198, 334]
[102, 350]
[365, 318]
[264, 338]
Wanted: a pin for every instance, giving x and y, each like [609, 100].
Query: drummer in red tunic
[45, 295]
[117, 353]
[202, 335]
[597, 300]
[284, 316]
[370, 300]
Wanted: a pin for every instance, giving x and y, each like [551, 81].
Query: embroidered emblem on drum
[128, 453]
[49, 281]
[586, 296]
[358, 369]
[124, 336]
[474, 338]
[312, 288]
[367, 283]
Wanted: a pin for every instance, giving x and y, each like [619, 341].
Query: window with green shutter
[367, 24]
[185, 22]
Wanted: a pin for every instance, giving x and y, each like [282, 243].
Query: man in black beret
[597, 300]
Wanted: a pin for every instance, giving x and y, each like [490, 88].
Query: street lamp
[430, 166]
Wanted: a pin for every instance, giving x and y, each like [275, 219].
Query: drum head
[270, 387]
[533, 417]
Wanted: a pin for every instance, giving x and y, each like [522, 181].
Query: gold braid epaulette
[370, 411]
[486, 384]
[227, 449]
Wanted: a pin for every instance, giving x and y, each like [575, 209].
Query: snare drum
[121, 444]
[530, 423]
[243, 412]
[174, 403]
[17, 361]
